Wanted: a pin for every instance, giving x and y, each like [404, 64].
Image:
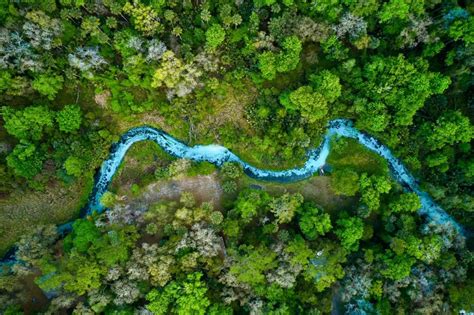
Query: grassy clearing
[139, 166]
[316, 188]
[23, 211]
[348, 153]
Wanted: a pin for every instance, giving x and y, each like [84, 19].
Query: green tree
[48, 85]
[326, 268]
[408, 202]
[286, 60]
[73, 166]
[145, 18]
[299, 251]
[290, 57]
[312, 221]
[25, 160]
[215, 35]
[461, 295]
[371, 188]
[350, 231]
[285, 206]
[231, 170]
[249, 267]
[29, 123]
[393, 86]
[396, 267]
[184, 297]
[113, 248]
[452, 127]
[395, 9]
[345, 181]
[327, 84]
[267, 65]
[108, 199]
[250, 203]
[462, 29]
[84, 234]
[69, 118]
[312, 105]
[77, 273]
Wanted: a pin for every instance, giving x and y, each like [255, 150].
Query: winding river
[217, 155]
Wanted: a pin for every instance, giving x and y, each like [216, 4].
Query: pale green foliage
[178, 77]
[216, 217]
[285, 206]
[231, 170]
[169, 73]
[36, 243]
[108, 199]
[144, 17]
[252, 263]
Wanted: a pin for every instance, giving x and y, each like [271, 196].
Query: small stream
[218, 155]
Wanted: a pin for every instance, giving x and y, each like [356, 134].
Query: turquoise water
[217, 155]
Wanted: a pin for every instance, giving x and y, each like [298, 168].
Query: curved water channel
[217, 155]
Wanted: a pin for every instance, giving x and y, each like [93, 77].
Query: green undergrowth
[348, 153]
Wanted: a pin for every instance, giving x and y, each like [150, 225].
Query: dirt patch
[203, 187]
[208, 188]
[35, 300]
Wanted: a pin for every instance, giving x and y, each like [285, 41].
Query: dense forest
[262, 78]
